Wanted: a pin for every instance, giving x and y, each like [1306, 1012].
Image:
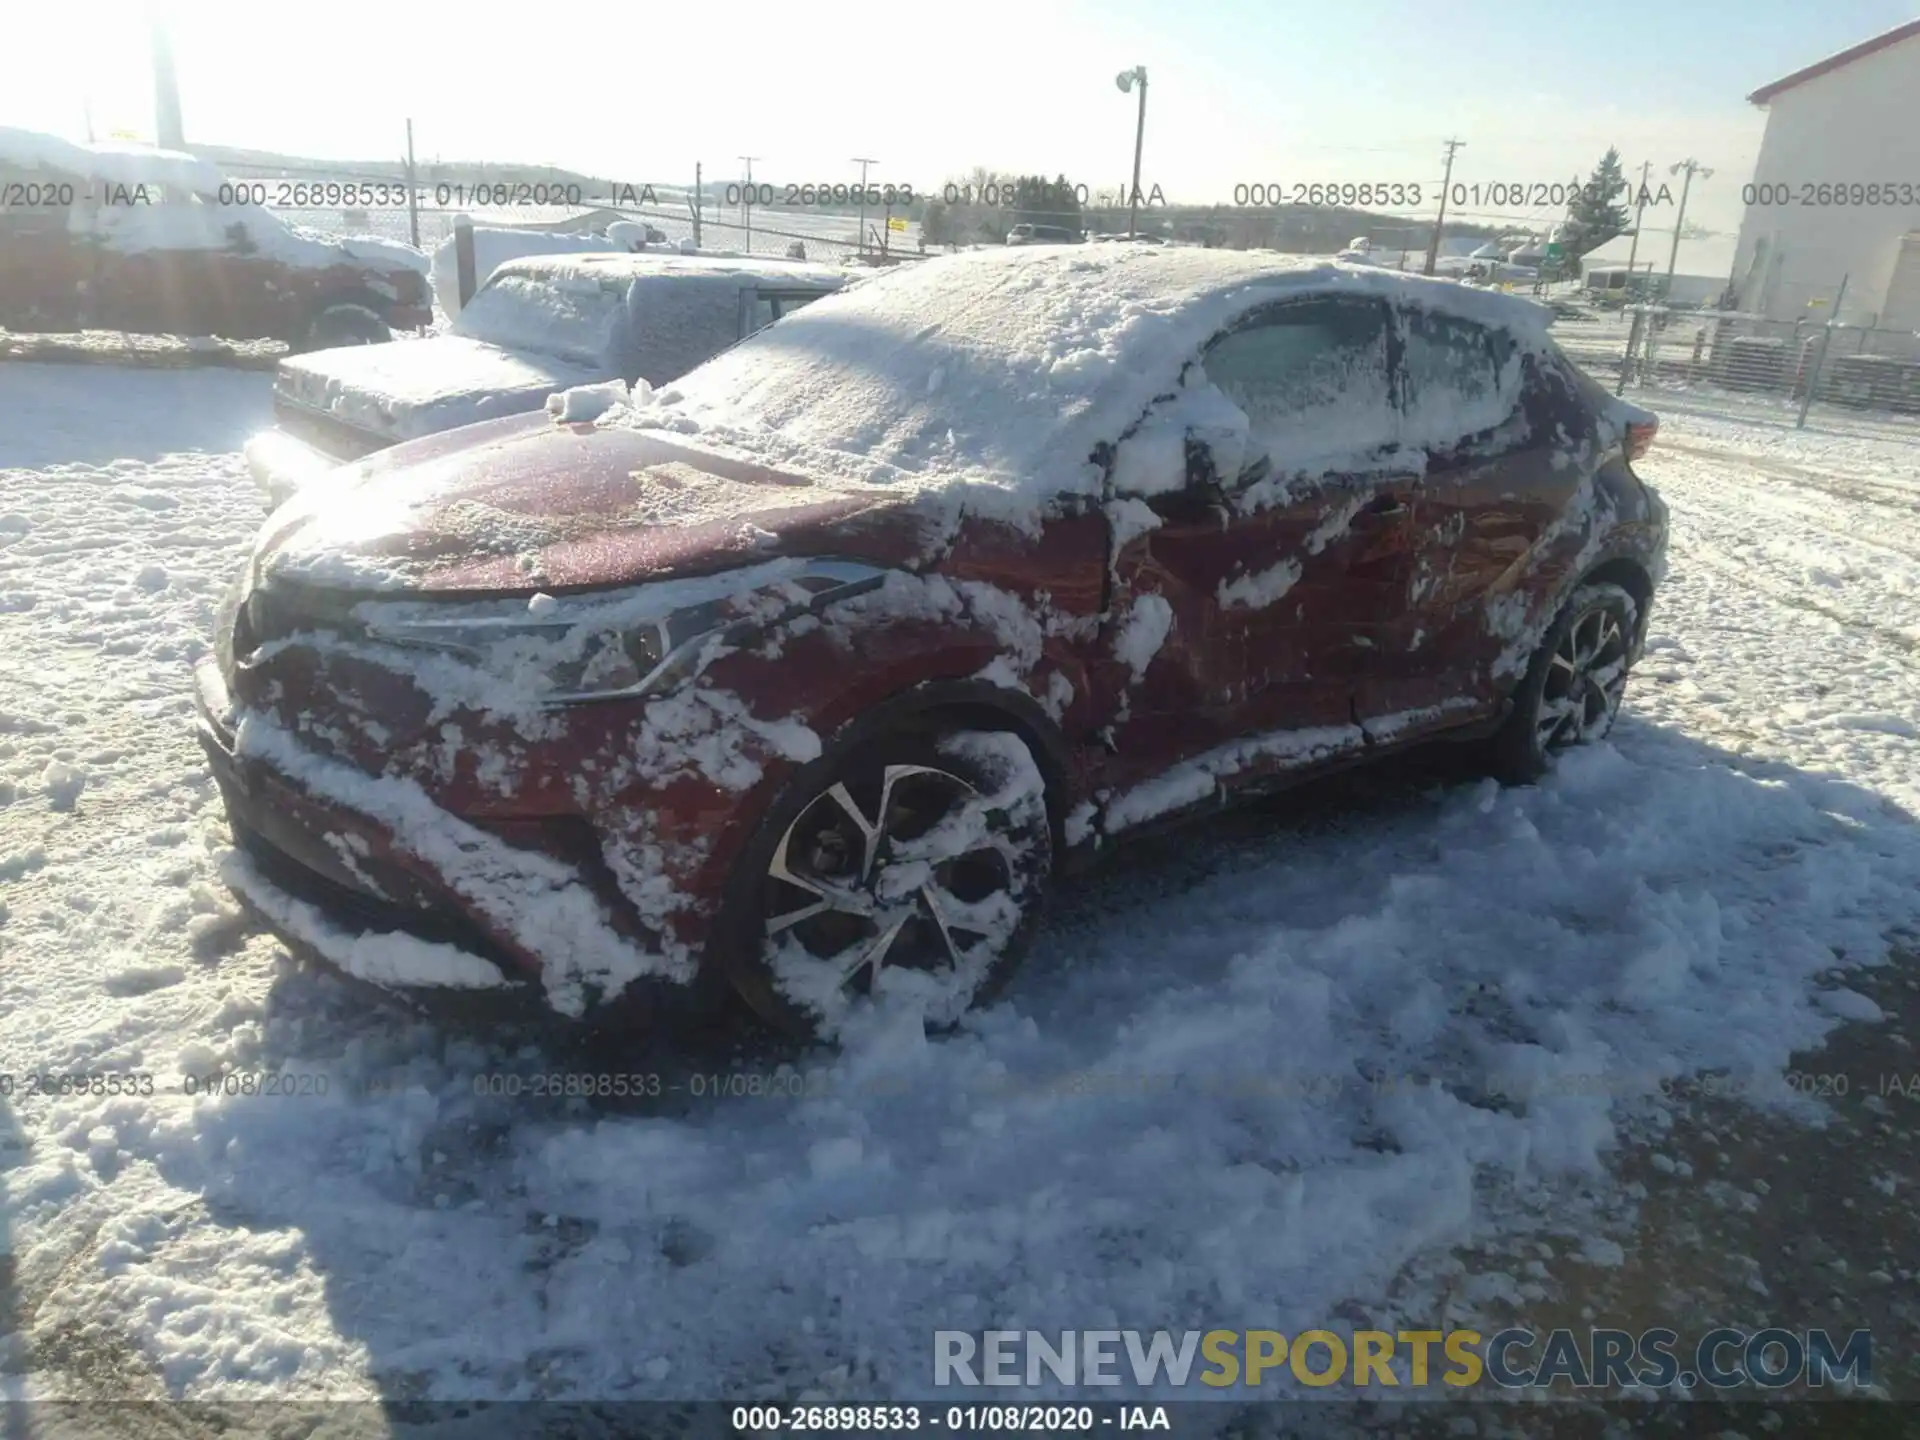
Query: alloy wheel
[897, 879]
[1586, 677]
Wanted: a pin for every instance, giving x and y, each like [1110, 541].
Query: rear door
[1484, 417]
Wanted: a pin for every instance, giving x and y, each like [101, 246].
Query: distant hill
[269, 165]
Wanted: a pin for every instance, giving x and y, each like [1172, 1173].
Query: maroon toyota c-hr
[805, 676]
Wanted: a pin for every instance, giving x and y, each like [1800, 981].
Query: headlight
[607, 644]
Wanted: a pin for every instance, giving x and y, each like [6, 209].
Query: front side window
[1311, 377]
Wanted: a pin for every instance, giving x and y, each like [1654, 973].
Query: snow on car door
[1329, 578]
[1493, 485]
[1245, 581]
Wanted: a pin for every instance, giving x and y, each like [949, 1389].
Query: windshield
[572, 317]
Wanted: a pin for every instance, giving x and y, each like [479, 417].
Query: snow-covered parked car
[541, 324]
[806, 675]
[131, 238]
[495, 245]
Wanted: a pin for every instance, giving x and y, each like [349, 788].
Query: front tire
[1573, 687]
[905, 872]
[339, 325]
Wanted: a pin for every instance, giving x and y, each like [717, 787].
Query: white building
[1836, 190]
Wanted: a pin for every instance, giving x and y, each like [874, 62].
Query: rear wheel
[339, 325]
[1573, 687]
[906, 872]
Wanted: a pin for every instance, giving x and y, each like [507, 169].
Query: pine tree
[1598, 212]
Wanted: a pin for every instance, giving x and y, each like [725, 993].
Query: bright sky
[1240, 90]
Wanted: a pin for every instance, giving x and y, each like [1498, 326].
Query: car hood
[526, 504]
[409, 388]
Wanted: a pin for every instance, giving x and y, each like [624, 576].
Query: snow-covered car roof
[109, 161]
[616, 265]
[1002, 368]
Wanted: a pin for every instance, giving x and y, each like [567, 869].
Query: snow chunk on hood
[585, 403]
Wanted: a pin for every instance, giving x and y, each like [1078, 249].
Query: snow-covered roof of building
[1834, 62]
[109, 161]
[624, 265]
[1001, 368]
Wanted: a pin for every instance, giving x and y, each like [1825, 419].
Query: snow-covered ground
[1284, 1066]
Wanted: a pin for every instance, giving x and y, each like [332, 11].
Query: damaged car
[131, 238]
[804, 678]
[541, 324]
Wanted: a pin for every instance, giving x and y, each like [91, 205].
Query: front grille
[326, 434]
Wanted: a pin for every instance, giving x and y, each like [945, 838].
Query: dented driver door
[1246, 600]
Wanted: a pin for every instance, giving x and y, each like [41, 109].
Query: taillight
[1640, 437]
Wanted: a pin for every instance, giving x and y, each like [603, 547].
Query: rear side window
[1311, 377]
[786, 304]
[1461, 378]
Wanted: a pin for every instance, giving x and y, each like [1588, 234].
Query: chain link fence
[1809, 365]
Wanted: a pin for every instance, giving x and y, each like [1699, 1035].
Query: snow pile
[1041, 353]
[583, 403]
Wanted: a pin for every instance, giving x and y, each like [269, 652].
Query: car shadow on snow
[1251, 1070]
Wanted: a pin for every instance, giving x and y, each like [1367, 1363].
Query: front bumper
[341, 886]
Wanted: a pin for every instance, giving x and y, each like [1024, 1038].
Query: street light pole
[1125, 80]
[749, 198]
[1692, 167]
[863, 162]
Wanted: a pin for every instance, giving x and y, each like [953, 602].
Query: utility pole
[1446, 184]
[863, 162]
[750, 159]
[1639, 210]
[1692, 167]
[413, 193]
[699, 196]
[169, 134]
